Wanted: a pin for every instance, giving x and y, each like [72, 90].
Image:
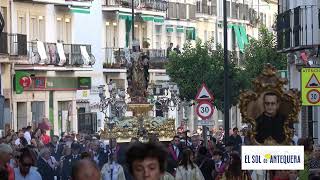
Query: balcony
[13, 44]
[58, 54]
[116, 58]
[153, 5]
[77, 3]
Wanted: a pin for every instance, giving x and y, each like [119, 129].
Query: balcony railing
[156, 5]
[60, 54]
[13, 44]
[117, 57]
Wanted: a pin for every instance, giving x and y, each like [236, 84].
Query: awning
[80, 10]
[158, 19]
[191, 33]
[125, 16]
[180, 29]
[169, 28]
[147, 18]
[241, 35]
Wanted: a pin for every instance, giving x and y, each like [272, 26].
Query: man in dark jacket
[70, 160]
[175, 154]
[47, 165]
[235, 140]
[205, 164]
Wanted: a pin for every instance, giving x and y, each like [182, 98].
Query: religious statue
[138, 75]
[269, 109]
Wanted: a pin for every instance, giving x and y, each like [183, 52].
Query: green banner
[20, 74]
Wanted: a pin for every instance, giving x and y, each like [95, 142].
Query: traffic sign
[205, 110]
[205, 123]
[313, 96]
[204, 94]
[313, 82]
[310, 86]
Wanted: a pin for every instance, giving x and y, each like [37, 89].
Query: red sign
[204, 94]
[205, 110]
[25, 81]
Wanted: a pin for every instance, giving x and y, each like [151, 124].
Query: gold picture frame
[251, 104]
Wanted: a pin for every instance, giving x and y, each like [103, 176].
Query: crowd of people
[34, 155]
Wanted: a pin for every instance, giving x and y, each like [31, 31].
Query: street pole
[132, 21]
[204, 135]
[226, 73]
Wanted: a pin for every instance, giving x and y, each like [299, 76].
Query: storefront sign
[84, 82]
[83, 94]
[22, 81]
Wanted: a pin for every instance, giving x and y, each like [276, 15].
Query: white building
[101, 30]
[298, 31]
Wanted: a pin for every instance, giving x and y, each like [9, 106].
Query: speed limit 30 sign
[205, 109]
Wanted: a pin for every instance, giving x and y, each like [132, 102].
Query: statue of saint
[138, 75]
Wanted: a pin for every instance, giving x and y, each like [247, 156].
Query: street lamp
[108, 105]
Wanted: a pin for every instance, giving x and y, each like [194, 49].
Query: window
[21, 24]
[38, 111]
[179, 39]
[169, 40]
[220, 37]
[33, 28]
[214, 7]
[198, 7]
[182, 11]
[177, 12]
[158, 33]
[228, 8]
[205, 35]
[42, 28]
[59, 29]
[67, 37]
[3, 11]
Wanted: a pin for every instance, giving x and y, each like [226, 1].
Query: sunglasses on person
[26, 164]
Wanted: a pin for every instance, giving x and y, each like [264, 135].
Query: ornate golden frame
[251, 103]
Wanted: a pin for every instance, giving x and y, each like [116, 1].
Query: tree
[260, 52]
[202, 63]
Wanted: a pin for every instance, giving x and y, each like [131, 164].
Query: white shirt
[17, 142]
[27, 136]
[32, 175]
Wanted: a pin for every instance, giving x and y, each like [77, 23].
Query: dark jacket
[206, 166]
[46, 172]
[68, 162]
[270, 127]
[173, 160]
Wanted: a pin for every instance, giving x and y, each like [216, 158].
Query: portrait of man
[270, 123]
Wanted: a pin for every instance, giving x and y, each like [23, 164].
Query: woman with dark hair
[187, 169]
[234, 171]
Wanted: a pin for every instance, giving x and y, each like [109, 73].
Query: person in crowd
[187, 169]
[47, 165]
[84, 170]
[169, 49]
[314, 161]
[235, 140]
[308, 148]
[205, 164]
[69, 160]
[117, 150]
[146, 161]
[98, 154]
[219, 164]
[6, 170]
[177, 49]
[45, 139]
[27, 134]
[112, 170]
[233, 170]
[196, 143]
[175, 155]
[26, 169]
[57, 147]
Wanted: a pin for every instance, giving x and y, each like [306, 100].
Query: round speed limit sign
[205, 109]
[313, 96]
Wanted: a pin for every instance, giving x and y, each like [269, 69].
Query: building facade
[67, 48]
[298, 33]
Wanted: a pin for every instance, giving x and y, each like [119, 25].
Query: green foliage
[260, 52]
[204, 64]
